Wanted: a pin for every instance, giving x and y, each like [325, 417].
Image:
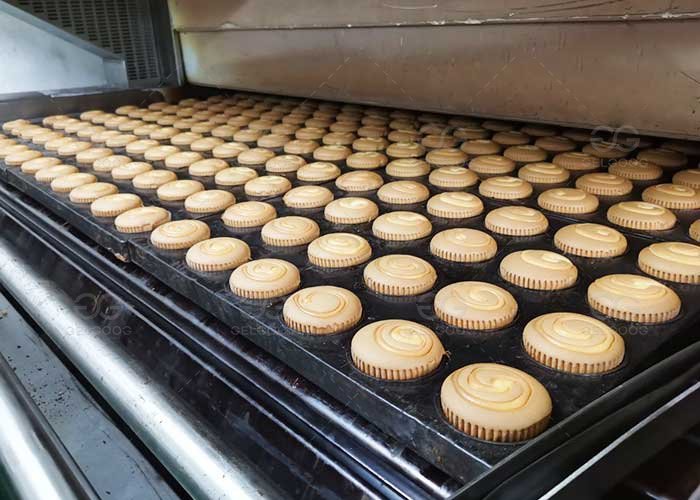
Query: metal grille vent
[124, 27]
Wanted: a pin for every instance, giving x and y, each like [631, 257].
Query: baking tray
[410, 410]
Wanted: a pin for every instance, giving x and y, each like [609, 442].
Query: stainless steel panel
[209, 15]
[643, 76]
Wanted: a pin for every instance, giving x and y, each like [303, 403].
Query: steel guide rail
[410, 410]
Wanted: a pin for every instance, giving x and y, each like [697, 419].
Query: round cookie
[641, 215]
[87, 193]
[604, 184]
[182, 160]
[153, 179]
[396, 349]
[290, 231]
[49, 174]
[463, 245]
[690, 178]
[573, 343]
[207, 168]
[672, 196]
[455, 205]
[20, 157]
[555, 144]
[359, 181]
[671, 261]
[694, 230]
[234, 176]
[448, 157]
[505, 188]
[217, 254]
[322, 310]
[568, 201]
[308, 197]
[475, 305]
[351, 210]
[407, 168]
[538, 270]
[264, 279]
[401, 226]
[403, 193]
[67, 183]
[319, 171]
[492, 165]
[31, 167]
[91, 155]
[179, 190]
[631, 297]
[179, 234]
[495, 402]
[267, 186]
[229, 150]
[511, 138]
[516, 221]
[284, 164]
[405, 150]
[128, 171]
[339, 250]
[543, 173]
[593, 241]
[575, 161]
[452, 178]
[209, 201]
[636, 170]
[159, 153]
[664, 158]
[525, 153]
[249, 214]
[399, 275]
[115, 204]
[109, 163]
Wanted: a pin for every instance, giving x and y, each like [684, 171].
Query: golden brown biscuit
[399, 275]
[590, 240]
[573, 343]
[455, 205]
[31, 167]
[267, 185]
[403, 192]
[538, 270]
[115, 204]
[576, 161]
[690, 178]
[308, 197]
[284, 164]
[67, 183]
[407, 168]
[491, 165]
[526, 153]
[351, 210]
[108, 163]
[254, 157]
[671, 261]
[229, 150]
[401, 226]
[449, 157]
[511, 138]
[49, 174]
[290, 231]
[452, 178]
[664, 158]
[463, 245]
[322, 310]
[672, 196]
[405, 150]
[235, 176]
[396, 349]
[516, 221]
[217, 254]
[264, 279]
[249, 214]
[179, 190]
[359, 181]
[160, 153]
[480, 147]
[19, 157]
[543, 173]
[339, 250]
[604, 184]
[694, 230]
[319, 171]
[641, 215]
[209, 201]
[366, 160]
[568, 201]
[153, 179]
[179, 234]
[370, 144]
[555, 144]
[475, 305]
[91, 155]
[606, 150]
[495, 403]
[505, 188]
[128, 171]
[631, 297]
[207, 168]
[87, 193]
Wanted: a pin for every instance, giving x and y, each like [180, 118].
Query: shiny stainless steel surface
[629, 72]
[189, 15]
[194, 458]
[33, 461]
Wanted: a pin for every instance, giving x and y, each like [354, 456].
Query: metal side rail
[33, 462]
[349, 455]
